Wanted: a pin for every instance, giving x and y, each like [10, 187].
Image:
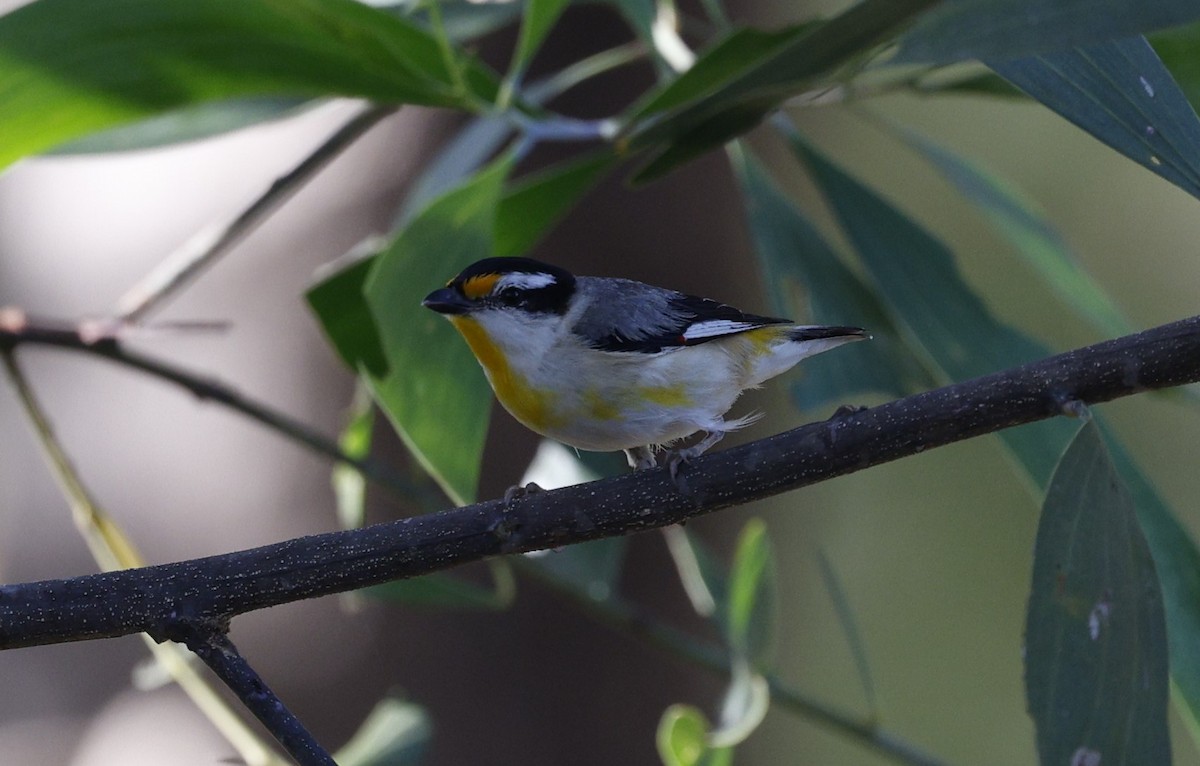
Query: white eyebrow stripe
[524, 281]
[714, 328]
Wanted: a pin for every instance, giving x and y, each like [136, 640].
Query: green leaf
[536, 202]
[396, 733]
[1177, 48]
[743, 88]
[73, 67]
[849, 625]
[681, 736]
[1095, 638]
[540, 16]
[190, 123]
[444, 591]
[349, 486]
[434, 393]
[960, 339]
[1002, 29]
[801, 269]
[639, 14]
[462, 20]
[1121, 93]
[341, 307]
[752, 603]
[1019, 219]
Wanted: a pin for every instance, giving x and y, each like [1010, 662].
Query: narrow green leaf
[536, 202]
[961, 340]
[737, 101]
[540, 16]
[802, 270]
[462, 20]
[1177, 48]
[434, 393]
[190, 123]
[442, 591]
[126, 60]
[396, 733]
[850, 629]
[751, 607]
[1121, 93]
[1095, 638]
[681, 736]
[349, 486]
[1005, 29]
[1019, 219]
[341, 307]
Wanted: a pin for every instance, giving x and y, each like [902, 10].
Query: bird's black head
[520, 283]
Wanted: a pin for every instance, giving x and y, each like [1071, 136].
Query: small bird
[605, 364]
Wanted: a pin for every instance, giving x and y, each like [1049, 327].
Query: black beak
[446, 301]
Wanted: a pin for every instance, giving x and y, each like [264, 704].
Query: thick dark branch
[163, 600]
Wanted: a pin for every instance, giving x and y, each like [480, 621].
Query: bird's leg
[676, 457]
[641, 458]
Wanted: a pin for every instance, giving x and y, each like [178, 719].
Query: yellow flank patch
[533, 408]
[667, 396]
[599, 407]
[478, 286]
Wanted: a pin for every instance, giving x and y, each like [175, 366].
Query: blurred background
[933, 551]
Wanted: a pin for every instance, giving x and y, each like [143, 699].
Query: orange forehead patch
[480, 285]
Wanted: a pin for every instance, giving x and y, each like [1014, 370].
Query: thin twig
[14, 334]
[219, 653]
[214, 241]
[162, 599]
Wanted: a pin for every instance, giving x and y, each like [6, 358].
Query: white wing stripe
[715, 328]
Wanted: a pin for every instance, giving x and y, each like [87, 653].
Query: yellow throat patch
[533, 408]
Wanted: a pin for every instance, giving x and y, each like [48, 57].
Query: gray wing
[633, 317]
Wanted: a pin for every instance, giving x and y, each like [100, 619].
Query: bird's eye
[511, 296]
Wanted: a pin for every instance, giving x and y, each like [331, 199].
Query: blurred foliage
[83, 76]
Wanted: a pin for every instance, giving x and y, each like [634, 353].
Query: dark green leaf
[1005, 29]
[341, 306]
[1021, 222]
[745, 88]
[434, 393]
[396, 733]
[961, 340]
[1122, 94]
[539, 17]
[640, 16]
[1095, 638]
[537, 202]
[1178, 49]
[802, 270]
[126, 60]
[188, 124]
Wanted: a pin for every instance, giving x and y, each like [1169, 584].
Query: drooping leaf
[1004, 29]
[190, 123]
[1095, 637]
[341, 306]
[960, 339]
[745, 88]
[126, 60]
[1120, 92]
[396, 733]
[1019, 219]
[804, 275]
[433, 392]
